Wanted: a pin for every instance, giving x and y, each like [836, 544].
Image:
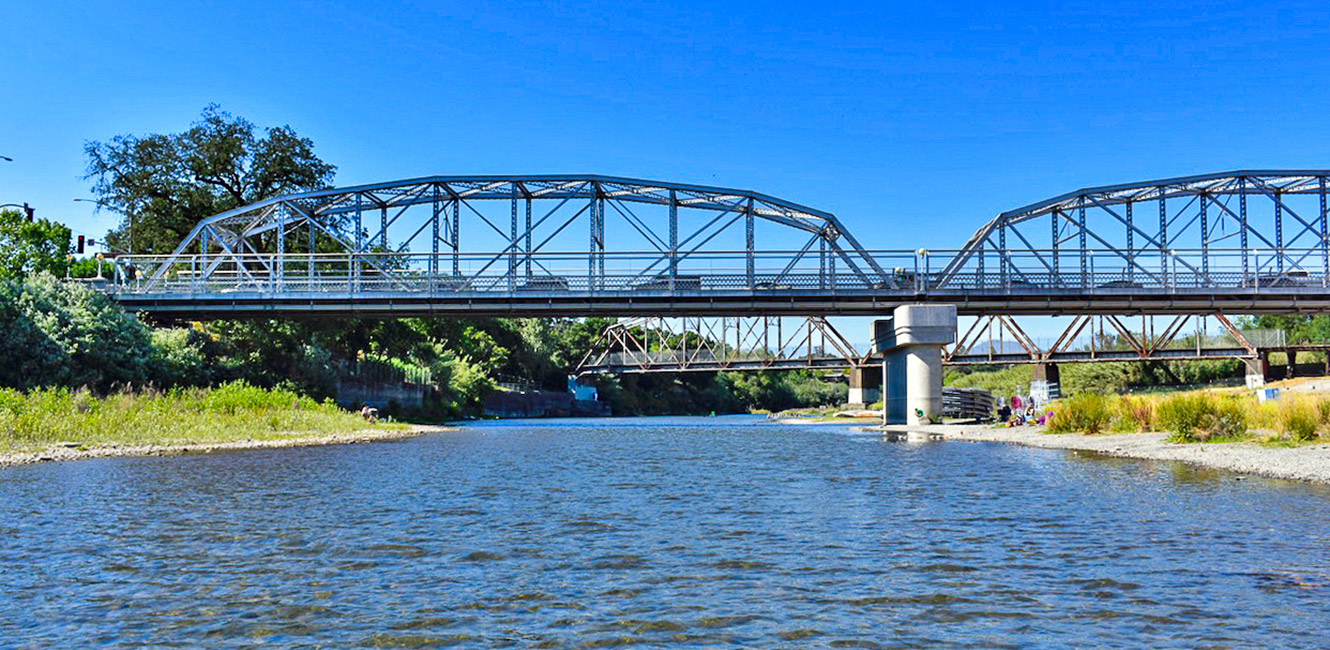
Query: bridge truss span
[752, 343]
[1241, 242]
[1242, 229]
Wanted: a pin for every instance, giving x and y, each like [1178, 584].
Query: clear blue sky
[913, 123]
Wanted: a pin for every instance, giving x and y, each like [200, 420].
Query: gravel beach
[1307, 463]
[72, 452]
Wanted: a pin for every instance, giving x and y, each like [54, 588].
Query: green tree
[164, 184]
[29, 247]
[59, 333]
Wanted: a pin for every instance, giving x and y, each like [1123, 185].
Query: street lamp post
[28, 210]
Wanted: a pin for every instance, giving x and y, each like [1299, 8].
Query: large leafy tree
[164, 184]
[31, 246]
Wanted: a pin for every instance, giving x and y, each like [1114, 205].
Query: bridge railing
[904, 272]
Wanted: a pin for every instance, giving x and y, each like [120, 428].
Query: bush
[1134, 415]
[1085, 412]
[1298, 419]
[1195, 417]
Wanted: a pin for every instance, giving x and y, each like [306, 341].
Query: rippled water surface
[722, 532]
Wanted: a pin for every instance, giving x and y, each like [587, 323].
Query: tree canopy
[164, 184]
[29, 247]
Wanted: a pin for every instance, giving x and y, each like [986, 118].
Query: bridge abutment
[912, 345]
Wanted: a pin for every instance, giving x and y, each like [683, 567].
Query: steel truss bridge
[754, 277]
[711, 344]
[1234, 242]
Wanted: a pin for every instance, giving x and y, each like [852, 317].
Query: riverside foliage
[233, 411]
[1197, 416]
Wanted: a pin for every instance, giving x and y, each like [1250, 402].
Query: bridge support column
[1046, 383]
[865, 386]
[912, 344]
[1257, 370]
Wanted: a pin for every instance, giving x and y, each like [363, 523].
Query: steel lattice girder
[338, 214]
[770, 343]
[1190, 220]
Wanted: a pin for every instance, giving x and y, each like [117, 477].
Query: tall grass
[1196, 416]
[233, 411]
[1083, 412]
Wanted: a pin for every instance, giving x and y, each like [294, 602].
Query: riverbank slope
[1302, 463]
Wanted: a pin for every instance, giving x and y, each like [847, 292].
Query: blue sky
[914, 123]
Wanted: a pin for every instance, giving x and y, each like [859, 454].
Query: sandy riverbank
[1307, 463]
[66, 452]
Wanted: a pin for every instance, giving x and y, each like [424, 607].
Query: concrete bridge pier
[1258, 370]
[1046, 383]
[912, 345]
[865, 386]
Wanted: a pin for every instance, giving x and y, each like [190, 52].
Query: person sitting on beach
[370, 413]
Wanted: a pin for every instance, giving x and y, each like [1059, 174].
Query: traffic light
[80, 245]
[28, 211]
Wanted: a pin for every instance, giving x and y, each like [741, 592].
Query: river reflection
[679, 532]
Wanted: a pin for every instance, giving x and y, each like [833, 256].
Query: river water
[678, 532]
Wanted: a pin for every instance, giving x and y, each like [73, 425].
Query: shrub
[1084, 412]
[1297, 419]
[1186, 415]
[1134, 414]
[1323, 411]
[1195, 417]
[1230, 418]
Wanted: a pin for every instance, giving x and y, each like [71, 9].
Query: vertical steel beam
[527, 247]
[748, 245]
[434, 238]
[279, 264]
[1325, 239]
[591, 247]
[1163, 238]
[313, 249]
[1004, 259]
[822, 260]
[1279, 231]
[674, 238]
[513, 242]
[980, 281]
[354, 262]
[1205, 240]
[457, 237]
[1242, 225]
[1082, 243]
[383, 227]
[1053, 219]
[1131, 249]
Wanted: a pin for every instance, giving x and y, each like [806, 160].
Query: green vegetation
[1198, 416]
[169, 182]
[232, 411]
[1085, 412]
[29, 247]
[726, 392]
[1103, 377]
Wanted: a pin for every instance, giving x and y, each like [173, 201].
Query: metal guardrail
[905, 272]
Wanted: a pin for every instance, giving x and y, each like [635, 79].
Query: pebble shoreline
[1306, 463]
[61, 453]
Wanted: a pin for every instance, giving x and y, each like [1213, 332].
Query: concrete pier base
[912, 345]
